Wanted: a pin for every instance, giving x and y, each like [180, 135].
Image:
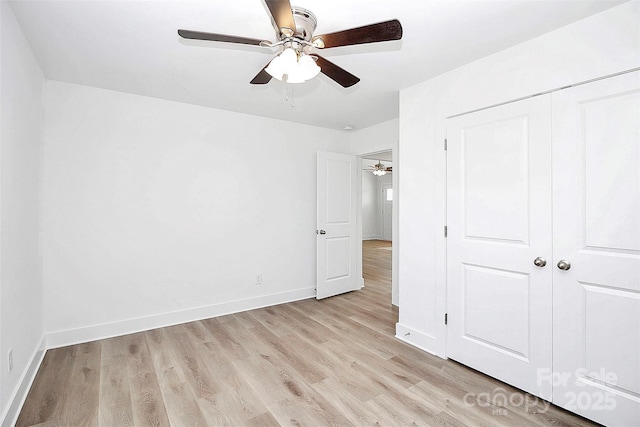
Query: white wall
[375, 139]
[597, 46]
[370, 217]
[158, 212]
[20, 273]
[373, 204]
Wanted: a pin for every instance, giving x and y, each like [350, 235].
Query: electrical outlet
[10, 359]
[259, 279]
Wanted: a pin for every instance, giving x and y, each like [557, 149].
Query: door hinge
[446, 315]
[445, 144]
[445, 231]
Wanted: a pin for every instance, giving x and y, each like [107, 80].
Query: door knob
[322, 232]
[539, 262]
[564, 265]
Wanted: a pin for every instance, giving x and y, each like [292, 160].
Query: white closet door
[596, 140]
[499, 222]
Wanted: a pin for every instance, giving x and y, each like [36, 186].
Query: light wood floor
[329, 362]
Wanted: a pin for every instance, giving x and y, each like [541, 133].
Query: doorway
[377, 220]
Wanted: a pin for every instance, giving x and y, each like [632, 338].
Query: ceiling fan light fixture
[379, 169]
[308, 67]
[293, 67]
[281, 63]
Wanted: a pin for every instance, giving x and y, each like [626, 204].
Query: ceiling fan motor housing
[306, 23]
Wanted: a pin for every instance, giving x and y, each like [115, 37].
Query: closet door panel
[596, 325]
[499, 222]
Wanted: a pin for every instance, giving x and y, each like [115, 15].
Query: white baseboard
[19, 395]
[108, 330]
[417, 339]
[372, 238]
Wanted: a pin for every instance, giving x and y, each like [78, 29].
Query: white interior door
[499, 222]
[596, 139]
[337, 243]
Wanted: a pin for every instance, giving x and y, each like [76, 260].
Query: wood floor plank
[399, 415]
[329, 362]
[84, 386]
[147, 402]
[245, 319]
[115, 407]
[48, 392]
[245, 339]
[289, 398]
[204, 385]
[266, 419]
[358, 333]
[386, 373]
[228, 341]
[299, 361]
[234, 400]
[457, 408]
[179, 400]
[349, 403]
[270, 318]
[303, 325]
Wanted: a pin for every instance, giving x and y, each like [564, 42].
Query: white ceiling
[132, 46]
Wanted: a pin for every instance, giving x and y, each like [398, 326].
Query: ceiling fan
[379, 169]
[298, 62]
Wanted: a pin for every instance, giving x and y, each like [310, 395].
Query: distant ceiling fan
[379, 169]
[298, 62]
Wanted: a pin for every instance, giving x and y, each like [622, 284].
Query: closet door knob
[539, 262]
[564, 265]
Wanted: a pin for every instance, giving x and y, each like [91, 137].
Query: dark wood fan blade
[335, 73]
[198, 35]
[282, 14]
[262, 78]
[380, 32]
